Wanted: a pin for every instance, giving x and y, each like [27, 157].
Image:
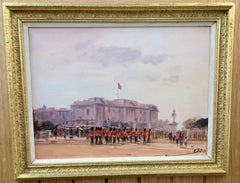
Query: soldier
[140, 134]
[106, 131]
[149, 135]
[92, 135]
[114, 134]
[136, 135]
[124, 135]
[131, 135]
[110, 136]
[119, 133]
[100, 135]
[97, 133]
[144, 135]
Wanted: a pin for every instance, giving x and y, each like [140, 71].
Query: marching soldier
[97, 135]
[136, 135]
[149, 135]
[144, 135]
[106, 131]
[91, 134]
[110, 136]
[131, 135]
[100, 135]
[124, 135]
[114, 134]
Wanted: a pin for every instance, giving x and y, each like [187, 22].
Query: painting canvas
[120, 90]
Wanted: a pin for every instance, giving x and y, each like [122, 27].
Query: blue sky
[164, 66]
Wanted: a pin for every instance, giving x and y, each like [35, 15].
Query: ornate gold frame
[16, 14]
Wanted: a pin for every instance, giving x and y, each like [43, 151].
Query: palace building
[102, 112]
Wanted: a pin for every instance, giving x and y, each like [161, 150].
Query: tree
[195, 123]
[47, 125]
[189, 123]
[201, 123]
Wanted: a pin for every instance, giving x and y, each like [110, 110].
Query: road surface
[81, 148]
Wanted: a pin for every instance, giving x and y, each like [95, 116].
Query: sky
[165, 66]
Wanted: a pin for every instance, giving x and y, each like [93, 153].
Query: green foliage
[195, 122]
[47, 125]
[35, 125]
[189, 123]
[201, 123]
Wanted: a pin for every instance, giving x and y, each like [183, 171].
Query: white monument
[173, 124]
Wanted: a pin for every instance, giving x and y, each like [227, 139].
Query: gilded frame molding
[15, 14]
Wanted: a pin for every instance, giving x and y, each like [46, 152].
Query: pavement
[81, 148]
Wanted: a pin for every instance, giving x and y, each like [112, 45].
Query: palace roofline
[102, 101]
[115, 102]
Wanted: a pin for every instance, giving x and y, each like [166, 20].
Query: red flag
[119, 86]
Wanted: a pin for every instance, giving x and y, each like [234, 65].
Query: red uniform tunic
[97, 133]
[145, 133]
[91, 133]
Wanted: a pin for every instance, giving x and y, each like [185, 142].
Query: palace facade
[101, 112]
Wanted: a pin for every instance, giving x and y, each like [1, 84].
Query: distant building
[57, 116]
[102, 112]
